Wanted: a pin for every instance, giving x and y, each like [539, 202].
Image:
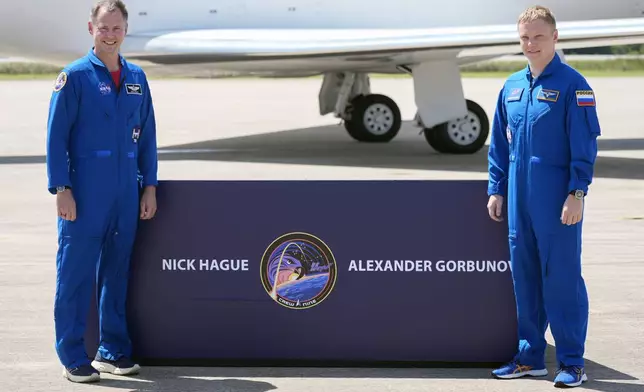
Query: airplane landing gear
[370, 117]
[465, 135]
[373, 118]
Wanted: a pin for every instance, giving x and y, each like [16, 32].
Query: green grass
[28, 76]
[27, 69]
[588, 73]
[608, 68]
[53, 76]
[465, 75]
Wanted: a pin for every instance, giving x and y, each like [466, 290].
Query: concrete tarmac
[270, 129]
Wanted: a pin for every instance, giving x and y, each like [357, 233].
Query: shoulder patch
[515, 94]
[548, 95]
[585, 97]
[61, 80]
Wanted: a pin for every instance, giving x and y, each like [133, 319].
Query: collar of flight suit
[552, 66]
[95, 60]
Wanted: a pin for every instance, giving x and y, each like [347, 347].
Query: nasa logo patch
[104, 88]
[61, 80]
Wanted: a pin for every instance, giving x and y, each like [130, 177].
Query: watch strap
[578, 193]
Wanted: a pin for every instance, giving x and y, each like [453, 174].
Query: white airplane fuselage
[344, 40]
[57, 30]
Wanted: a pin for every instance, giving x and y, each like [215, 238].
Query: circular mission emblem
[298, 270]
[61, 80]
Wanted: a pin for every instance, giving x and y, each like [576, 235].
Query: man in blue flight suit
[101, 150]
[541, 157]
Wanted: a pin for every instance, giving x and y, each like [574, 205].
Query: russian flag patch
[585, 98]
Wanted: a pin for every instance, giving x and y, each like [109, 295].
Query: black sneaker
[121, 367]
[82, 374]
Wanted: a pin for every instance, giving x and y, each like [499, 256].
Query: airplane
[343, 40]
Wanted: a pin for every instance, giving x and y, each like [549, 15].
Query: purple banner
[365, 271]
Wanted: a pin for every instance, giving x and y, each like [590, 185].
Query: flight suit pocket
[133, 107]
[540, 113]
[515, 117]
[548, 193]
[548, 136]
[134, 126]
[94, 177]
[512, 242]
[134, 119]
[511, 134]
[133, 103]
[134, 139]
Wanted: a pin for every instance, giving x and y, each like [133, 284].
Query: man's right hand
[495, 207]
[66, 205]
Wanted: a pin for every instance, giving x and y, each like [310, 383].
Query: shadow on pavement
[602, 378]
[331, 146]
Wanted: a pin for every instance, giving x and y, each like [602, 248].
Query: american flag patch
[585, 98]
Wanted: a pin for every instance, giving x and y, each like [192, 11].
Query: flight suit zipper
[118, 137]
[528, 135]
[119, 141]
[526, 145]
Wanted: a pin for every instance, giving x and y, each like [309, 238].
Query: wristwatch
[579, 194]
[61, 189]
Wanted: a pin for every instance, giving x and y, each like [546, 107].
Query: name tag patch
[548, 95]
[515, 94]
[133, 89]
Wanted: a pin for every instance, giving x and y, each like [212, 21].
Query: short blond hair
[538, 12]
[109, 6]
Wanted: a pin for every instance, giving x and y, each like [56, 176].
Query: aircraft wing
[363, 47]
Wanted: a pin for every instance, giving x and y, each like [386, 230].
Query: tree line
[620, 49]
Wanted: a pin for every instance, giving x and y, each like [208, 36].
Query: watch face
[579, 194]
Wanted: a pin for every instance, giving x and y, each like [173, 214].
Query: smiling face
[108, 30]
[538, 39]
[538, 34]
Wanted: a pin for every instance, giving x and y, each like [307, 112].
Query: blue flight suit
[101, 142]
[543, 146]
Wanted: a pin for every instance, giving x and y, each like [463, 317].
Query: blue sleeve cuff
[500, 189]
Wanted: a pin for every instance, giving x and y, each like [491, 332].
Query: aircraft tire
[435, 140]
[465, 135]
[373, 118]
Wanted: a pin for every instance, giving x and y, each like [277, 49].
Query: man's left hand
[148, 203]
[572, 211]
